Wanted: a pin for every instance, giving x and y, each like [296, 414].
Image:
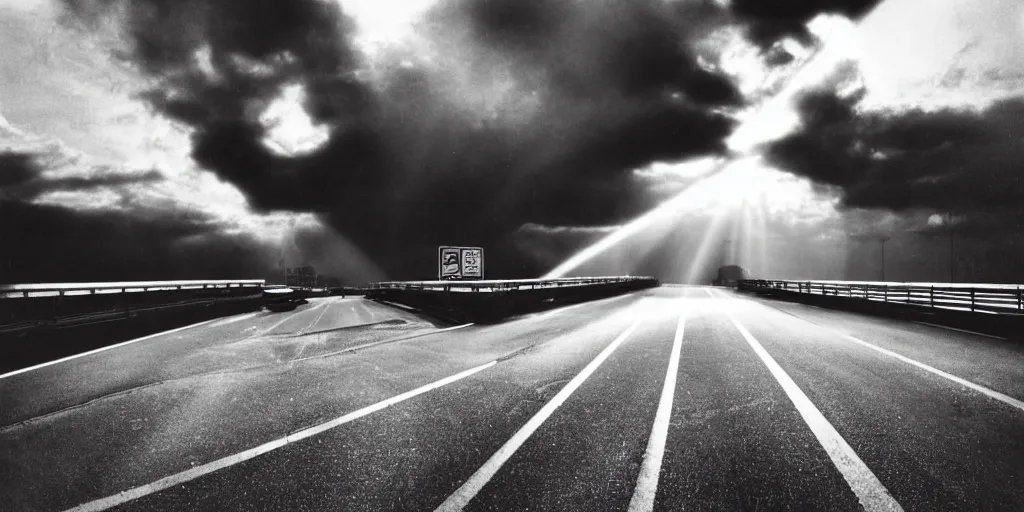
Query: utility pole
[883, 239]
[952, 267]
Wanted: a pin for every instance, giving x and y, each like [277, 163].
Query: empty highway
[674, 398]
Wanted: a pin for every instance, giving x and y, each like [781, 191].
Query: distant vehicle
[729, 275]
[280, 298]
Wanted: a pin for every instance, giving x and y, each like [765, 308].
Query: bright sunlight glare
[776, 117]
[769, 121]
[290, 131]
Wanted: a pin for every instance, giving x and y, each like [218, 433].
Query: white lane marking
[102, 349]
[236, 318]
[1009, 400]
[446, 329]
[873, 496]
[462, 496]
[381, 342]
[647, 482]
[395, 304]
[960, 330]
[291, 315]
[312, 325]
[210, 467]
[556, 311]
[977, 387]
[563, 309]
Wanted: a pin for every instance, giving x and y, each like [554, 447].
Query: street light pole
[883, 239]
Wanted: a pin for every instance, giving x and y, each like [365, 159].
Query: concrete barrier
[42, 322]
[493, 301]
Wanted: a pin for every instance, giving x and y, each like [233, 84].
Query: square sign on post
[460, 262]
[473, 262]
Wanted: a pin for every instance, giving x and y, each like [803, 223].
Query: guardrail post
[1020, 299]
[931, 296]
[885, 293]
[972, 299]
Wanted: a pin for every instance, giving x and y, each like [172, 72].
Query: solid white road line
[948, 328]
[312, 325]
[198, 471]
[102, 349]
[1009, 400]
[381, 342]
[547, 314]
[236, 318]
[873, 496]
[979, 388]
[397, 305]
[647, 482]
[290, 316]
[563, 309]
[462, 496]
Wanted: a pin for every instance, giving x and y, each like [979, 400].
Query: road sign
[473, 262]
[460, 262]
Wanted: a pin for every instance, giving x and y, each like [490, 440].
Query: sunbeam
[772, 119]
[662, 211]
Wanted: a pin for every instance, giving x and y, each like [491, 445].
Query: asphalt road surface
[675, 398]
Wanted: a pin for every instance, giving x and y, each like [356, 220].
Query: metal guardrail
[13, 291]
[982, 298]
[501, 286]
[27, 306]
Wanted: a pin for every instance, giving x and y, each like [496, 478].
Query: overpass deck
[669, 398]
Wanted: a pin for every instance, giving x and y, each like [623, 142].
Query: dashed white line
[210, 467]
[102, 349]
[647, 482]
[948, 328]
[873, 496]
[462, 496]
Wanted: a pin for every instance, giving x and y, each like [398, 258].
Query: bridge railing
[985, 298]
[14, 291]
[27, 306]
[504, 285]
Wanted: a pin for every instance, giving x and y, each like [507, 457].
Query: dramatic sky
[162, 139]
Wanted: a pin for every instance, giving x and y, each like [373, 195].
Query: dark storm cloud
[21, 178]
[117, 245]
[138, 240]
[772, 20]
[962, 161]
[528, 111]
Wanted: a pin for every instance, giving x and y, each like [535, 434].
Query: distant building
[301, 277]
[729, 275]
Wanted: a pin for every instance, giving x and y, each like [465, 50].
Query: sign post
[460, 262]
